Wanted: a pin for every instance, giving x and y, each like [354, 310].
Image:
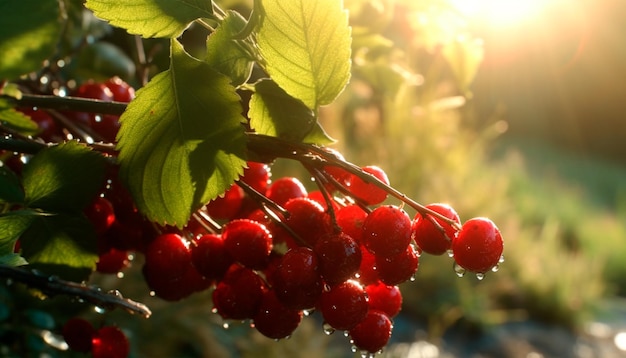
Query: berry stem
[320, 180]
[51, 285]
[68, 103]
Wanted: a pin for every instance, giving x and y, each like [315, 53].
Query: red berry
[338, 173]
[350, 219]
[339, 257]
[345, 305]
[274, 319]
[210, 257]
[78, 334]
[168, 256]
[94, 90]
[387, 231]
[257, 175]
[122, 91]
[105, 125]
[238, 296]
[101, 214]
[175, 288]
[110, 342]
[284, 189]
[399, 268]
[307, 219]
[367, 269]
[296, 280]
[373, 333]
[228, 205]
[248, 242]
[368, 192]
[387, 299]
[478, 246]
[428, 237]
[48, 129]
[112, 261]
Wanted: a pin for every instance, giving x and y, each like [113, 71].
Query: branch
[51, 285]
[76, 104]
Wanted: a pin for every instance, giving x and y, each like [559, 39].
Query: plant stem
[76, 104]
[51, 285]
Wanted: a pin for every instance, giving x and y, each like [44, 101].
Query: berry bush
[176, 169]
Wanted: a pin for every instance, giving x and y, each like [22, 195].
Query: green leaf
[12, 226]
[65, 177]
[16, 120]
[275, 113]
[29, 32]
[318, 136]
[63, 245]
[12, 260]
[10, 187]
[182, 142]
[151, 18]
[224, 53]
[306, 47]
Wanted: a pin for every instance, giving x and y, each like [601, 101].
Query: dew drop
[460, 271]
[328, 329]
[354, 349]
[501, 259]
[308, 312]
[495, 268]
[213, 310]
[152, 293]
[119, 274]
[346, 333]
[412, 278]
[480, 276]
[288, 337]
[100, 310]
[115, 293]
[450, 253]
[225, 325]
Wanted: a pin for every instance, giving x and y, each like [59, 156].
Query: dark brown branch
[51, 285]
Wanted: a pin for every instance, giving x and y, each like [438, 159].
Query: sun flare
[498, 12]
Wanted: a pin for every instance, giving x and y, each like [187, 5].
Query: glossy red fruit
[110, 342]
[478, 246]
[296, 280]
[274, 319]
[387, 231]
[78, 334]
[373, 333]
[122, 91]
[168, 256]
[284, 189]
[318, 197]
[385, 298]
[307, 219]
[48, 129]
[427, 236]
[367, 269]
[399, 268]
[104, 125]
[238, 296]
[339, 174]
[368, 192]
[210, 257]
[94, 90]
[112, 261]
[175, 288]
[101, 214]
[227, 206]
[257, 175]
[339, 257]
[350, 219]
[248, 242]
[345, 305]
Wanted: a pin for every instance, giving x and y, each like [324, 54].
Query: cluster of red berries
[105, 342]
[343, 256]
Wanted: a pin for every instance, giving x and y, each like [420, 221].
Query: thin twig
[51, 285]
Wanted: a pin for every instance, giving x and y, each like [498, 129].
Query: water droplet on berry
[460, 271]
[495, 268]
[346, 333]
[354, 349]
[225, 325]
[480, 276]
[213, 310]
[119, 274]
[152, 293]
[450, 253]
[412, 278]
[308, 312]
[328, 329]
[501, 259]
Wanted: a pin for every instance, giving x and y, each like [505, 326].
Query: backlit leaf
[12, 225]
[65, 177]
[10, 187]
[182, 141]
[151, 18]
[225, 54]
[16, 120]
[273, 112]
[62, 245]
[306, 47]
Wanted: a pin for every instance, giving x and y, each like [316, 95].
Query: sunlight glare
[498, 12]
